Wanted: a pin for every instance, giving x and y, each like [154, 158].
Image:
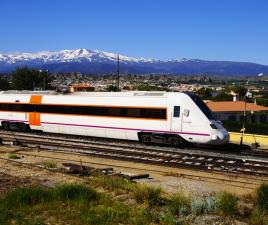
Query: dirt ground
[8, 182]
[170, 179]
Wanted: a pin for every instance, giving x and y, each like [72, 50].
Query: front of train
[218, 134]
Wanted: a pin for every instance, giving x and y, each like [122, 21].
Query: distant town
[225, 96]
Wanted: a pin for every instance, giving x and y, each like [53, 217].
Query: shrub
[203, 205]
[34, 195]
[262, 198]
[26, 196]
[113, 183]
[116, 213]
[257, 218]
[227, 204]
[13, 156]
[49, 164]
[179, 204]
[167, 219]
[74, 192]
[150, 195]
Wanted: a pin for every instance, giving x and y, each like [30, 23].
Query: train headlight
[214, 137]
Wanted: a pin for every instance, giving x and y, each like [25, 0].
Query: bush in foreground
[150, 195]
[26, 197]
[227, 204]
[262, 198]
[180, 204]
[74, 192]
[203, 205]
[36, 195]
[112, 183]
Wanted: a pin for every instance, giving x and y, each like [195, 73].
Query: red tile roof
[237, 106]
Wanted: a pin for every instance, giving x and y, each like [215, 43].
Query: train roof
[94, 94]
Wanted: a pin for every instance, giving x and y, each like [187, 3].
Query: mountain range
[100, 62]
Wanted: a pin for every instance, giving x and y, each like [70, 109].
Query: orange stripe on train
[35, 117]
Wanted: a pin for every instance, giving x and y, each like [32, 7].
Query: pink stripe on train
[115, 128]
[122, 128]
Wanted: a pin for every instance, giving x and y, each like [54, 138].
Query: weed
[257, 217]
[201, 206]
[74, 192]
[13, 156]
[49, 164]
[167, 219]
[25, 197]
[116, 184]
[227, 204]
[179, 204]
[150, 195]
[262, 197]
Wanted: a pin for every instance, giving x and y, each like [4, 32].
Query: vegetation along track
[180, 159]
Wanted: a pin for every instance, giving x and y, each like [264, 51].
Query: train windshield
[204, 108]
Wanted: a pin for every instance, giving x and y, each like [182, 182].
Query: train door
[35, 117]
[176, 119]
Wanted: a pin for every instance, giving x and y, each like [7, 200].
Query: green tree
[29, 79]
[4, 84]
[222, 96]
[240, 90]
[204, 92]
[111, 88]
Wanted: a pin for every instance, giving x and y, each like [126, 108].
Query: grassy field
[110, 200]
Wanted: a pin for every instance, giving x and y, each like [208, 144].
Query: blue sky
[165, 29]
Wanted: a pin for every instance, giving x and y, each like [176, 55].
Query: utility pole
[44, 83]
[118, 73]
[244, 120]
[245, 115]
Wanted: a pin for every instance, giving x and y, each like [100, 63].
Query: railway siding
[236, 164]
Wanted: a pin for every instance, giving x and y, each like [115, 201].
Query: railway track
[245, 182]
[171, 158]
[226, 149]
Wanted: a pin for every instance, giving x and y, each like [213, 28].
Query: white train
[162, 117]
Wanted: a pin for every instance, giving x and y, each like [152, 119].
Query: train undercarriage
[144, 137]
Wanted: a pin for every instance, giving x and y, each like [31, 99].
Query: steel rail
[171, 159]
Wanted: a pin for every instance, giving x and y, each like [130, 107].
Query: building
[234, 111]
[82, 87]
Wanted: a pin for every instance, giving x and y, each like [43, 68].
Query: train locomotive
[159, 117]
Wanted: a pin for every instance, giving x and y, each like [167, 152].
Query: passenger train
[159, 117]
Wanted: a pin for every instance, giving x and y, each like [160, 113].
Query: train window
[114, 112]
[4, 106]
[202, 106]
[176, 112]
[133, 112]
[151, 113]
[16, 107]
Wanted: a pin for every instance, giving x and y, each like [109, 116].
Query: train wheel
[145, 138]
[176, 141]
[5, 125]
[23, 127]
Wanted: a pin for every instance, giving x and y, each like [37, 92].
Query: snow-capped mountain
[94, 61]
[78, 55]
